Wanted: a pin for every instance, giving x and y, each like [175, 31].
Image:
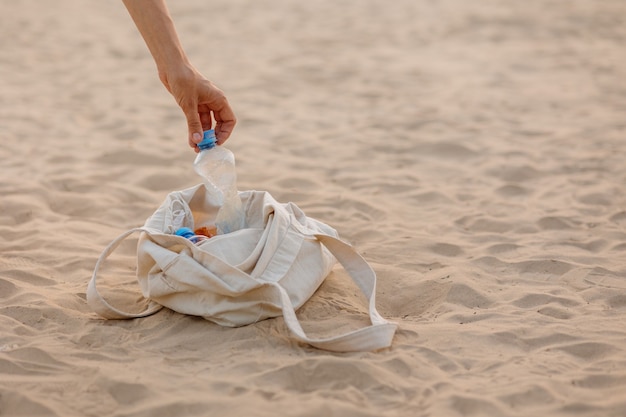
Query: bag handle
[97, 302]
[378, 335]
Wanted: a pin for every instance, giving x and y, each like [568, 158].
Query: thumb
[195, 128]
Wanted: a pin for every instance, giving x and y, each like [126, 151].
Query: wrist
[174, 75]
[179, 70]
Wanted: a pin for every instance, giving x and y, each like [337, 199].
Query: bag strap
[97, 302]
[378, 335]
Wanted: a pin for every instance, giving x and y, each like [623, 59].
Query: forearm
[198, 98]
[153, 21]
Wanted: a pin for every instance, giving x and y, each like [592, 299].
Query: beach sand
[472, 152]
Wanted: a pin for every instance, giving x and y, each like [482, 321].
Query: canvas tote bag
[268, 269]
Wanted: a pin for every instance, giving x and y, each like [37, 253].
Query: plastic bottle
[187, 233]
[216, 165]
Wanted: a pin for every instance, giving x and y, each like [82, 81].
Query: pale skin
[200, 100]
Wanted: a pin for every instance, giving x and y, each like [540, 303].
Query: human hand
[201, 102]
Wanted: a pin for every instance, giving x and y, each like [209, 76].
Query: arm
[197, 96]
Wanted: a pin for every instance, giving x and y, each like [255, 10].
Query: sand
[472, 152]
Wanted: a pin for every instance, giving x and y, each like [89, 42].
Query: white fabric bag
[268, 269]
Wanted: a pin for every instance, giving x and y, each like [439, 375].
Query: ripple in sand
[466, 296]
[535, 395]
[617, 301]
[515, 174]
[452, 150]
[597, 199]
[535, 300]
[7, 289]
[588, 350]
[554, 223]
[14, 403]
[483, 224]
[601, 381]
[431, 198]
[467, 406]
[513, 190]
[539, 269]
[502, 248]
[446, 249]
[557, 313]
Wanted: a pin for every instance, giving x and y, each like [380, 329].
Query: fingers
[200, 120]
[214, 102]
[194, 125]
[205, 117]
[225, 121]
[201, 102]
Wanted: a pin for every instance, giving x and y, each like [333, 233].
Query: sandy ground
[472, 152]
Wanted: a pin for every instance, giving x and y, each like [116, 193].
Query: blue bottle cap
[208, 140]
[185, 232]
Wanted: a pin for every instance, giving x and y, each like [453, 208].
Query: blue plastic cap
[185, 232]
[208, 140]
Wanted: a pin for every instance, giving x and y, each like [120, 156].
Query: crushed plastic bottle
[216, 165]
